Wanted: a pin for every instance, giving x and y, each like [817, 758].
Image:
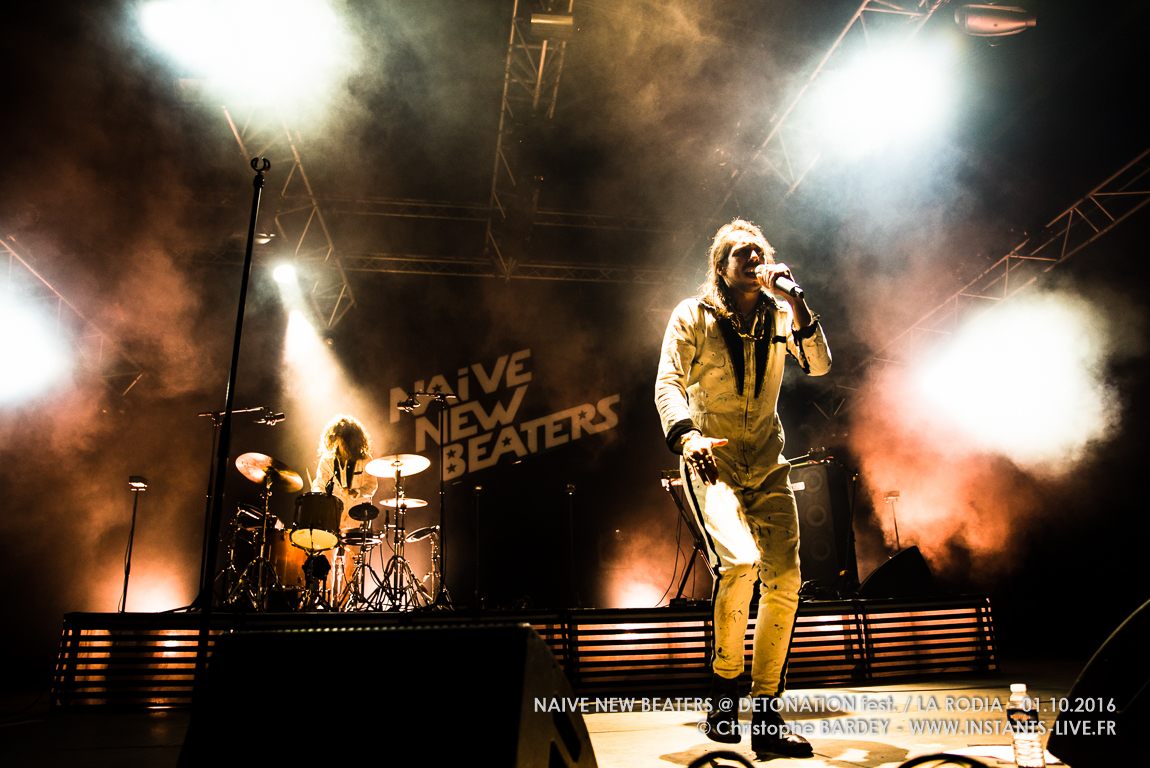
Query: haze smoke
[970, 435]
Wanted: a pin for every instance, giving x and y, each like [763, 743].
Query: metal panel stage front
[149, 659]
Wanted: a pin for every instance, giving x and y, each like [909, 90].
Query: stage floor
[663, 739]
[97, 736]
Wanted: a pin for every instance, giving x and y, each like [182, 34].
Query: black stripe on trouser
[697, 508]
[712, 555]
[794, 621]
[790, 642]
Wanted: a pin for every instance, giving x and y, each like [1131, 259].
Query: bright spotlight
[34, 354]
[284, 273]
[266, 50]
[883, 97]
[1026, 380]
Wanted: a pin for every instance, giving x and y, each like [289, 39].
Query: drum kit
[290, 569]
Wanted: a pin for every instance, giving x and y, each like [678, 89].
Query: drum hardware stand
[442, 595]
[315, 571]
[217, 418]
[258, 598]
[671, 480]
[400, 587]
[354, 597]
[433, 574]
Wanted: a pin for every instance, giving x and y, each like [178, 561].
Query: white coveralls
[727, 386]
[361, 489]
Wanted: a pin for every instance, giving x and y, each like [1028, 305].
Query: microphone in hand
[781, 283]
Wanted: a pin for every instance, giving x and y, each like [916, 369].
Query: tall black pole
[443, 596]
[207, 583]
[128, 554]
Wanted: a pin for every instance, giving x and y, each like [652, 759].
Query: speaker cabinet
[1101, 720]
[904, 575]
[826, 537]
[434, 695]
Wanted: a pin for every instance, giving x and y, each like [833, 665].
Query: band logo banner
[483, 425]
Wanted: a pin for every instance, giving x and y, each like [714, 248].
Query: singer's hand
[768, 273]
[697, 450]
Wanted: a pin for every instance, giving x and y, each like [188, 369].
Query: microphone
[408, 405]
[782, 283]
[269, 417]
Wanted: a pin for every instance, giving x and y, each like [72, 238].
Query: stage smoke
[971, 435]
[317, 388]
[1026, 381]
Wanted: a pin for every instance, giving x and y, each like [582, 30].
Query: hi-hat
[265, 470]
[408, 502]
[403, 464]
[364, 511]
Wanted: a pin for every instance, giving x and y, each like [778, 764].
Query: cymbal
[258, 468]
[405, 463]
[363, 511]
[422, 534]
[407, 502]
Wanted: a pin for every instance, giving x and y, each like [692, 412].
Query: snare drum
[316, 526]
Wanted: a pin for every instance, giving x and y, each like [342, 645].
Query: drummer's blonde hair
[348, 430]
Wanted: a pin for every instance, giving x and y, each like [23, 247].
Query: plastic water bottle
[1022, 716]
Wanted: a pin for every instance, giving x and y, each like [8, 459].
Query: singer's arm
[800, 313]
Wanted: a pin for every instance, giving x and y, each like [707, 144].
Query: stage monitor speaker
[826, 536]
[1100, 721]
[904, 575]
[436, 695]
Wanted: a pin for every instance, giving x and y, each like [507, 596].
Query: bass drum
[287, 560]
[316, 526]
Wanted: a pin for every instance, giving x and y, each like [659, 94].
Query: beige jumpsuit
[749, 517]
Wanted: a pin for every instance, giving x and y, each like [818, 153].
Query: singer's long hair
[345, 429]
[714, 290]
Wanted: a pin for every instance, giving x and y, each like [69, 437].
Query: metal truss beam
[423, 264]
[298, 216]
[1099, 211]
[544, 217]
[98, 354]
[530, 89]
[1103, 208]
[535, 270]
[791, 157]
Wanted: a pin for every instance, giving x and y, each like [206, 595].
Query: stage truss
[96, 352]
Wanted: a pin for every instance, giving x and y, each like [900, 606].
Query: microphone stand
[260, 166]
[442, 594]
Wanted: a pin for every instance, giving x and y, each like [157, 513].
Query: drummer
[344, 449]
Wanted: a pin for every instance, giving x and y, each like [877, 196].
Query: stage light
[284, 273]
[287, 281]
[34, 354]
[883, 97]
[552, 26]
[635, 594]
[1026, 380]
[993, 20]
[270, 50]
